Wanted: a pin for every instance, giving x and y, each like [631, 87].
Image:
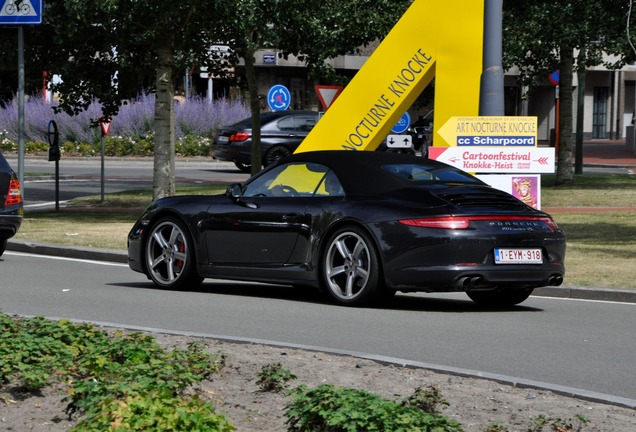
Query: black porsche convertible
[358, 225]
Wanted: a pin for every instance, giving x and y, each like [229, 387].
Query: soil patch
[475, 403]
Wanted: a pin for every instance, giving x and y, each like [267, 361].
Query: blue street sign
[403, 124]
[21, 12]
[278, 98]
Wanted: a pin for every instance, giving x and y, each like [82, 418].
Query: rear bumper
[452, 279]
[232, 152]
[9, 225]
[445, 261]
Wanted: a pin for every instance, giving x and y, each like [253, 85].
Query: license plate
[224, 139]
[518, 256]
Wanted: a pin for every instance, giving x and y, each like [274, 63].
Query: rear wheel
[243, 167]
[169, 255]
[350, 271]
[3, 246]
[508, 297]
[276, 153]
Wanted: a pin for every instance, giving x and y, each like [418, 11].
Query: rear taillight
[239, 136]
[462, 222]
[14, 196]
[449, 222]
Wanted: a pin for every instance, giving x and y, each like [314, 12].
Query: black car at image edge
[357, 225]
[10, 203]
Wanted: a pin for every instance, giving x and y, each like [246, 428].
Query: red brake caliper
[181, 249]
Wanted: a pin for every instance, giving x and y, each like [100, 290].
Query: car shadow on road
[245, 289]
[440, 303]
[401, 302]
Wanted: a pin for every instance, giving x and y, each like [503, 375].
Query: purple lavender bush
[131, 131]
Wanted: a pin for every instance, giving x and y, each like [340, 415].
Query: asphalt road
[79, 177]
[564, 344]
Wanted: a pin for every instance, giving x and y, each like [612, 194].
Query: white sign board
[496, 159]
[399, 141]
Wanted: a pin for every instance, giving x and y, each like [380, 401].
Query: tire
[246, 168]
[507, 297]
[169, 255]
[3, 246]
[274, 154]
[350, 269]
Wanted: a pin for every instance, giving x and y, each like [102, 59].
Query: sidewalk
[609, 153]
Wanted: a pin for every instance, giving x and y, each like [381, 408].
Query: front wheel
[507, 297]
[169, 254]
[350, 270]
[276, 153]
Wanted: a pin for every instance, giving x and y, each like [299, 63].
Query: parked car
[359, 225]
[10, 203]
[281, 133]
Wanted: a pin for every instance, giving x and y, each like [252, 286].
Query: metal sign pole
[103, 154]
[21, 109]
[15, 13]
[57, 185]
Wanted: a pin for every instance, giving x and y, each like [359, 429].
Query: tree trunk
[250, 73]
[564, 165]
[164, 164]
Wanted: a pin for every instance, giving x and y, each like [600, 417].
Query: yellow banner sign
[495, 131]
[432, 39]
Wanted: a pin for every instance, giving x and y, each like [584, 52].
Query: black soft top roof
[361, 171]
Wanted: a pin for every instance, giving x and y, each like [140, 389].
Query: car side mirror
[235, 191]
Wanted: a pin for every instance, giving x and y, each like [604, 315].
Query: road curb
[587, 293]
[87, 253]
[119, 256]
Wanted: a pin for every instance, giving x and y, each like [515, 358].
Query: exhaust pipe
[475, 281]
[464, 282]
[555, 280]
[468, 282]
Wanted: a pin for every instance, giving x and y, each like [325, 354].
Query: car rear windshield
[425, 172]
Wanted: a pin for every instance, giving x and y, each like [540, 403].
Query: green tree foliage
[312, 30]
[541, 36]
[91, 45]
[111, 49]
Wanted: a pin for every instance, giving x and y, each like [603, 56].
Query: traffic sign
[402, 124]
[399, 141]
[104, 123]
[278, 98]
[327, 94]
[555, 77]
[495, 131]
[21, 12]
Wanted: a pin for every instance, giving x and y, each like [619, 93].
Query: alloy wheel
[168, 255]
[350, 269]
